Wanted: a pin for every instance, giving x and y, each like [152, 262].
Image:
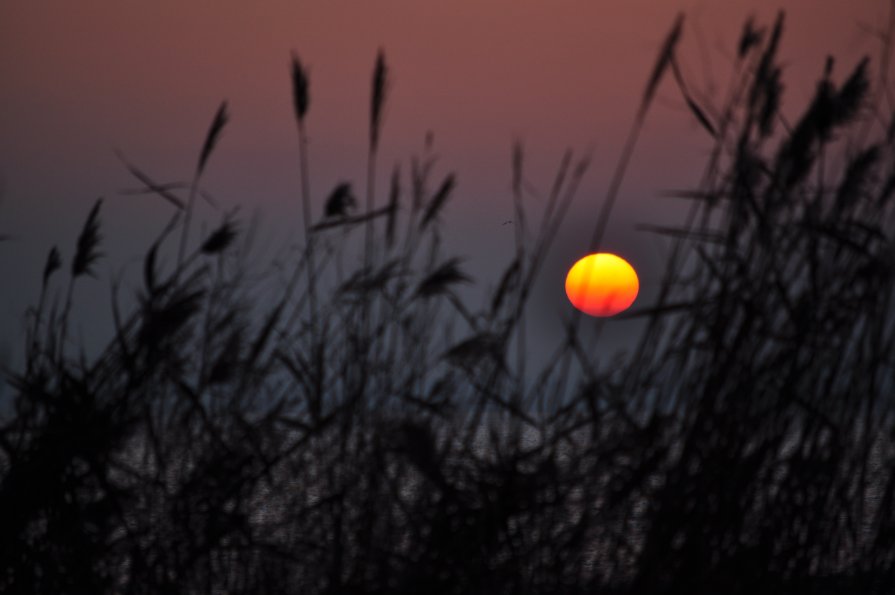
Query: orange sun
[602, 284]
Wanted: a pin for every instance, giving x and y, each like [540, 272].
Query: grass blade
[438, 201]
[214, 134]
[88, 244]
[299, 88]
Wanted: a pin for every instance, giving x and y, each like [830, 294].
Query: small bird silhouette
[340, 200]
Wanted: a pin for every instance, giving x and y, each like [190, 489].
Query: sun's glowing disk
[602, 284]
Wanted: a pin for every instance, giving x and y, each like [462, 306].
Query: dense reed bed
[339, 427]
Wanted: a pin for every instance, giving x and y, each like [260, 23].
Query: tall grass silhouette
[367, 431]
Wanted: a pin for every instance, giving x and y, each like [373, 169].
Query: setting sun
[602, 284]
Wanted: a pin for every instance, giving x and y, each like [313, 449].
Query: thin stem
[309, 259]
[184, 234]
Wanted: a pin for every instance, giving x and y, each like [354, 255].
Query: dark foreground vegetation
[333, 430]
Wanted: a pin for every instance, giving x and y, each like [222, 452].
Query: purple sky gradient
[81, 79]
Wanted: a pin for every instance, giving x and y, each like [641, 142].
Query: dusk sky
[82, 79]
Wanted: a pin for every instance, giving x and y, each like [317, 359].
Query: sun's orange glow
[602, 284]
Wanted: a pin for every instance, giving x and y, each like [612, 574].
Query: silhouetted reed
[231, 438]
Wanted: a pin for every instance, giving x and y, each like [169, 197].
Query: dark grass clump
[323, 430]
